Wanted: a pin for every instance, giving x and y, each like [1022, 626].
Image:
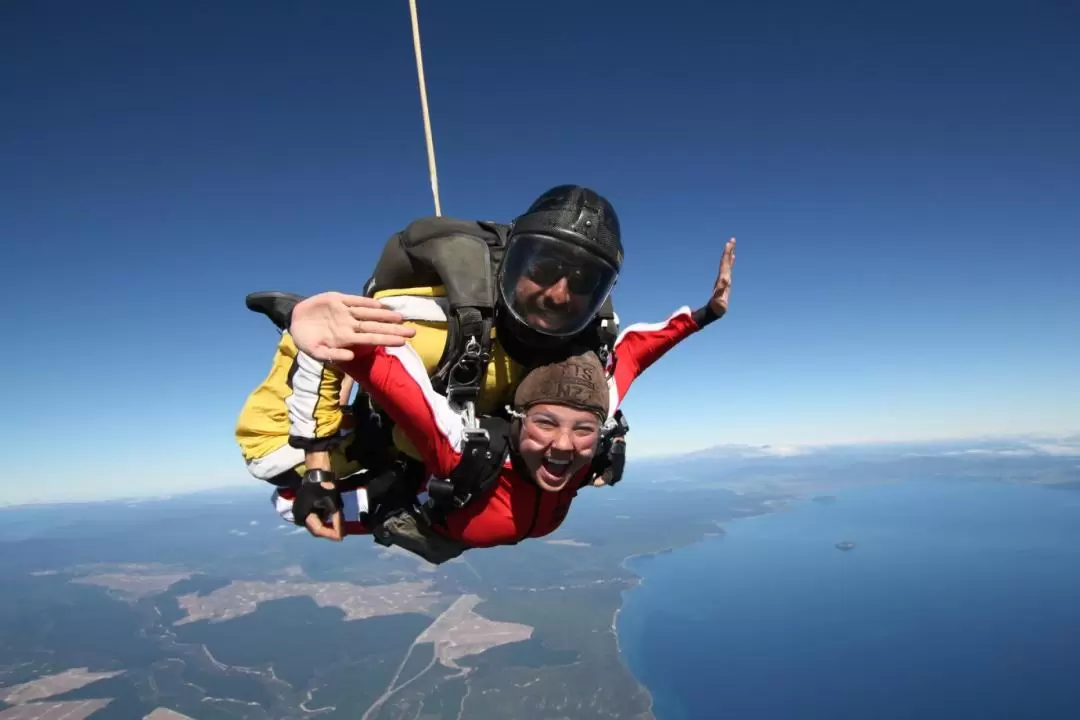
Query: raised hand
[718, 303]
[329, 325]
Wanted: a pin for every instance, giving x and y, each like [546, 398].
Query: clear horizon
[1066, 444]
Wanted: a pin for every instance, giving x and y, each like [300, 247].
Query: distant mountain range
[1031, 459]
[1012, 446]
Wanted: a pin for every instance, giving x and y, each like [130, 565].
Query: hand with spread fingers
[328, 325]
[718, 303]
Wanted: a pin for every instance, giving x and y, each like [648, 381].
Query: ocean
[959, 600]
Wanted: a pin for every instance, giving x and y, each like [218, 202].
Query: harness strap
[610, 457]
[485, 449]
[465, 376]
[607, 331]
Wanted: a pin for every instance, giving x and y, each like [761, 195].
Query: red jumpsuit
[516, 508]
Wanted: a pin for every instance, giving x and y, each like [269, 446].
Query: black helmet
[562, 259]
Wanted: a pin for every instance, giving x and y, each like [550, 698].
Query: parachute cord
[424, 107]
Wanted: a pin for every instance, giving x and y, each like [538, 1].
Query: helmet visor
[553, 286]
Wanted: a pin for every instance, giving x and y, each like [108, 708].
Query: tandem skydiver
[540, 452]
[435, 287]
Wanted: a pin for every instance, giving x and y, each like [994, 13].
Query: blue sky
[903, 181]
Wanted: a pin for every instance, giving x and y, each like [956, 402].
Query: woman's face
[556, 442]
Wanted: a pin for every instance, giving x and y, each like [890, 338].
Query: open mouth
[554, 471]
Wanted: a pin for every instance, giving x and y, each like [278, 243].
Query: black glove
[312, 497]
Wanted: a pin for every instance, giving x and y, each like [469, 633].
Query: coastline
[956, 523]
[787, 503]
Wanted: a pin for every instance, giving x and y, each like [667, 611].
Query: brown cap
[578, 380]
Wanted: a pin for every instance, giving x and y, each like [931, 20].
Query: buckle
[476, 435]
[440, 489]
[466, 376]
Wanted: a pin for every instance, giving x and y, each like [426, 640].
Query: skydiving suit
[514, 507]
[294, 410]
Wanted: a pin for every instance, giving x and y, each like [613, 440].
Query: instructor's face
[556, 442]
[553, 286]
[552, 306]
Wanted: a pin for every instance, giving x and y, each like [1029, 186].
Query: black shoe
[277, 306]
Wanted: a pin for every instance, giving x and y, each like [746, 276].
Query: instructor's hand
[329, 325]
[718, 303]
[317, 506]
[316, 527]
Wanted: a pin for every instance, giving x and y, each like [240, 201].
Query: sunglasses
[548, 271]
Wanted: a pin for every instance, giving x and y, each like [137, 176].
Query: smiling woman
[564, 405]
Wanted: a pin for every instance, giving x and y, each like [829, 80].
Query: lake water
[960, 600]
